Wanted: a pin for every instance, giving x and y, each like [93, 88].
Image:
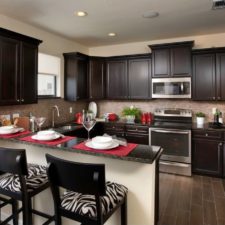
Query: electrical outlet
[71, 110]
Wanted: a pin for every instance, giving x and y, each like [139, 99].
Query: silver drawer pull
[174, 164]
[171, 132]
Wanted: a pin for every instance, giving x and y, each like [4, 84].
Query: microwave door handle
[171, 132]
[182, 87]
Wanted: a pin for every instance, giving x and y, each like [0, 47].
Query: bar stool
[20, 182]
[88, 199]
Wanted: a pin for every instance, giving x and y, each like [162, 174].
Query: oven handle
[173, 164]
[170, 131]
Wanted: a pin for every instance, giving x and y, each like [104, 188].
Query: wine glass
[39, 121]
[88, 123]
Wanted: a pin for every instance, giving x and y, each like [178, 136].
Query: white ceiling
[177, 18]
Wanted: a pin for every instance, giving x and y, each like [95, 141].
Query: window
[48, 76]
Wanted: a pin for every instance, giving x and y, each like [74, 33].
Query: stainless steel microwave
[171, 87]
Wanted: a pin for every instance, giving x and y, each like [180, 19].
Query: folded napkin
[118, 151]
[18, 134]
[52, 142]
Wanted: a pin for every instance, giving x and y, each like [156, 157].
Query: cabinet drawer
[137, 129]
[114, 127]
[208, 134]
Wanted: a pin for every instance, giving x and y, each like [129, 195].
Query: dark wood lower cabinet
[207, 157]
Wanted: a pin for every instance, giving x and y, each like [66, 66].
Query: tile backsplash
[150, 106]
[44, 108]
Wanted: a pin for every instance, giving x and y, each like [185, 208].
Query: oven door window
[173, 143]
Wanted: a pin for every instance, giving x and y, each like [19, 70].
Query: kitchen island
[138, 171]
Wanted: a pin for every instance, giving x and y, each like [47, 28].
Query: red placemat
[119, 151]
[15, 135]
[53, 142]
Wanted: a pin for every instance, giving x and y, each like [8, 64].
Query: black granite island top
[142, 153]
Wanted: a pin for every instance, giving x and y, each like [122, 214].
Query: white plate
[93, 107]
[42, 138]
[113, 145]
[11, 131]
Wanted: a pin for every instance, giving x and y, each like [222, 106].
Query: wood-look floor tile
[209, 213]
[197, 196]
[183, 217]
[221, 222]
[206, 180]
[220, 207]
[218, 189]
[207, 192]
[196, 217]
[168, 220]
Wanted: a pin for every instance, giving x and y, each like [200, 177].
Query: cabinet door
[9, 71]
[181, 61]
[70, 78]
[139, 78]
[207, 157]
[220, 68]
[75, 77]
[82, 79]
[96, 79]
[117, 79]
[161, 62]
[137, 138]
[28, 77]
[204, 77]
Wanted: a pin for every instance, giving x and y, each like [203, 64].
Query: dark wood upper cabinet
[28, 79]
[209, 74]
[18, 68]
[203, 81]
[220, 75]
[116, 78]
[171, 60]
[96, 78]
[139, 78]
[75, 76]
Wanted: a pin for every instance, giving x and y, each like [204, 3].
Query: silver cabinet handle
[170, 131]
[18, 100]
[214, 98]
[218, 98]
[206, 135]
[220, 144]
[22, 100]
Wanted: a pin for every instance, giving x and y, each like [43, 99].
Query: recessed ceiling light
[81, 13]
[150, 14]
[112, 34]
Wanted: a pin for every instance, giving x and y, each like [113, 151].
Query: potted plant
[200, 117]
[131, 113]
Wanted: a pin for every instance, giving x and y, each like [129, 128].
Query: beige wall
[204, 41]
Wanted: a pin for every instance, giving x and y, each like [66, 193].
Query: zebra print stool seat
[88, 199]
[85, 205]
[20, 181]
[36, 177]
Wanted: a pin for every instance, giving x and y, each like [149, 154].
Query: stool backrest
[79, 177]
[13, 161]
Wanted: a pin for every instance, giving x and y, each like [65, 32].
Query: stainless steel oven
[171, 87]
[172, 131]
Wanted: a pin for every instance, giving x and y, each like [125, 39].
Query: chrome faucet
[55, 107]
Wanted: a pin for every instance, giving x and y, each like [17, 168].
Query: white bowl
[101, 141]
[46, 133]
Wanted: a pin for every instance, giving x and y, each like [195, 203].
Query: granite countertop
[142, 153]
[208, 126]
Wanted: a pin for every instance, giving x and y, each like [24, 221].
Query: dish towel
[53, 142]
[118, 151]
[15, 135]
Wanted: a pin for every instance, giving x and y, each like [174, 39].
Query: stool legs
[124, 212]
[27, 212]
[15, 213]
